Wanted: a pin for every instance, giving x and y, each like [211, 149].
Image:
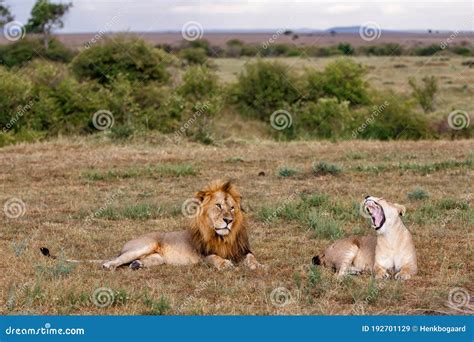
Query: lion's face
[221, 212]
[383, 213]
[220, 206]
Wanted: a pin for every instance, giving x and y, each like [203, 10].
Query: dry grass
[54, 181]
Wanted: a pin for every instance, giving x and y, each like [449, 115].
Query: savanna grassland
[86, 196]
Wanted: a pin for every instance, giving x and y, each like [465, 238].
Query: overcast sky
[160, 15]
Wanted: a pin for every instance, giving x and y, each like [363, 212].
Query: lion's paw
[225, 265]
[402, 276]
[109, 266]
[136, 264]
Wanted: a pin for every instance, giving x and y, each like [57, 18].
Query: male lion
[391, 249]
[217, 235]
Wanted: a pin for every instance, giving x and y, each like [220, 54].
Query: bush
[390, 49]
[24, 50]
[427, 50]
[264, 87]
[327, 118]
[193, 56]
[15, 96]
[346, 48]
[425, 93]
[342, 79]
[391, 117]
[199, 82]
[129, 56]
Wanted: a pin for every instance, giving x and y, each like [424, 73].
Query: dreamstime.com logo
[192, 30]
[14, 30]
[103, 119]
[281, 119]
[458, 119]
[370, 31]
[46, 330]
[14, 208]
[281, 297]
[103, 297]
[191, 207]
[459, 299]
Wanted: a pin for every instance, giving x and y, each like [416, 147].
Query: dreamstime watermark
[22, 110]
[103, 119]
[444, 44]
[281, 297]
[281, 119]
[104, 207]
[370, 31]
[103, 297]
[191, 207]
[458, 119]
[179, 133]
[14, 31]
[191, 298]
[280, 208]
[273, 38]
[100, 34]
[14, 208]
[375, 113]
[192, 30]
[459, 299]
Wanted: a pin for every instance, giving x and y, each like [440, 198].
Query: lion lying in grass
[217, 235]
[392, 248]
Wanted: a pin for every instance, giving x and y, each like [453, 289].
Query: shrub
[425, 93]
[346, 48]
[342, 79]
[199, 82]
[390, 49]
[24, 50]
[427, 50]
[15, 91]
[391, 117]
[264, 87]
[326, 118]
[193, 56]
[131, 57]
[323, 168]
[417, 194]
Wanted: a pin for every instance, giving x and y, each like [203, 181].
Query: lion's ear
[401, 209]
[227, 186]
[200, 195]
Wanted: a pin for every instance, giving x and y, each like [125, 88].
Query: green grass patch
[322, 168]
[324, 227]
[161, 170]
[417, 194]
[286, 171]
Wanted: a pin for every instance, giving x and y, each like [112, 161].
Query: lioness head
[220, 207]
[383, 213]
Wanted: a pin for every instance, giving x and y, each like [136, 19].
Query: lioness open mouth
[376, 213]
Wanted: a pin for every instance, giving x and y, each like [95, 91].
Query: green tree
[5, 14]
[45, 16]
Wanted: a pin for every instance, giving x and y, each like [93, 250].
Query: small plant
[157, 308]
[121, 132]
[286, 171]
[417, 194]
[235, 159]
[322, 168]
[176, 170]
[324, 227]
[452, 203]
[425, 93]
[315, 199]
[141, 211]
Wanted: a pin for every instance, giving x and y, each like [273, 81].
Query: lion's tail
[46, 253]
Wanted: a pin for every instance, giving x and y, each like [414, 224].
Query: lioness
[217, 235]
[391, 249]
